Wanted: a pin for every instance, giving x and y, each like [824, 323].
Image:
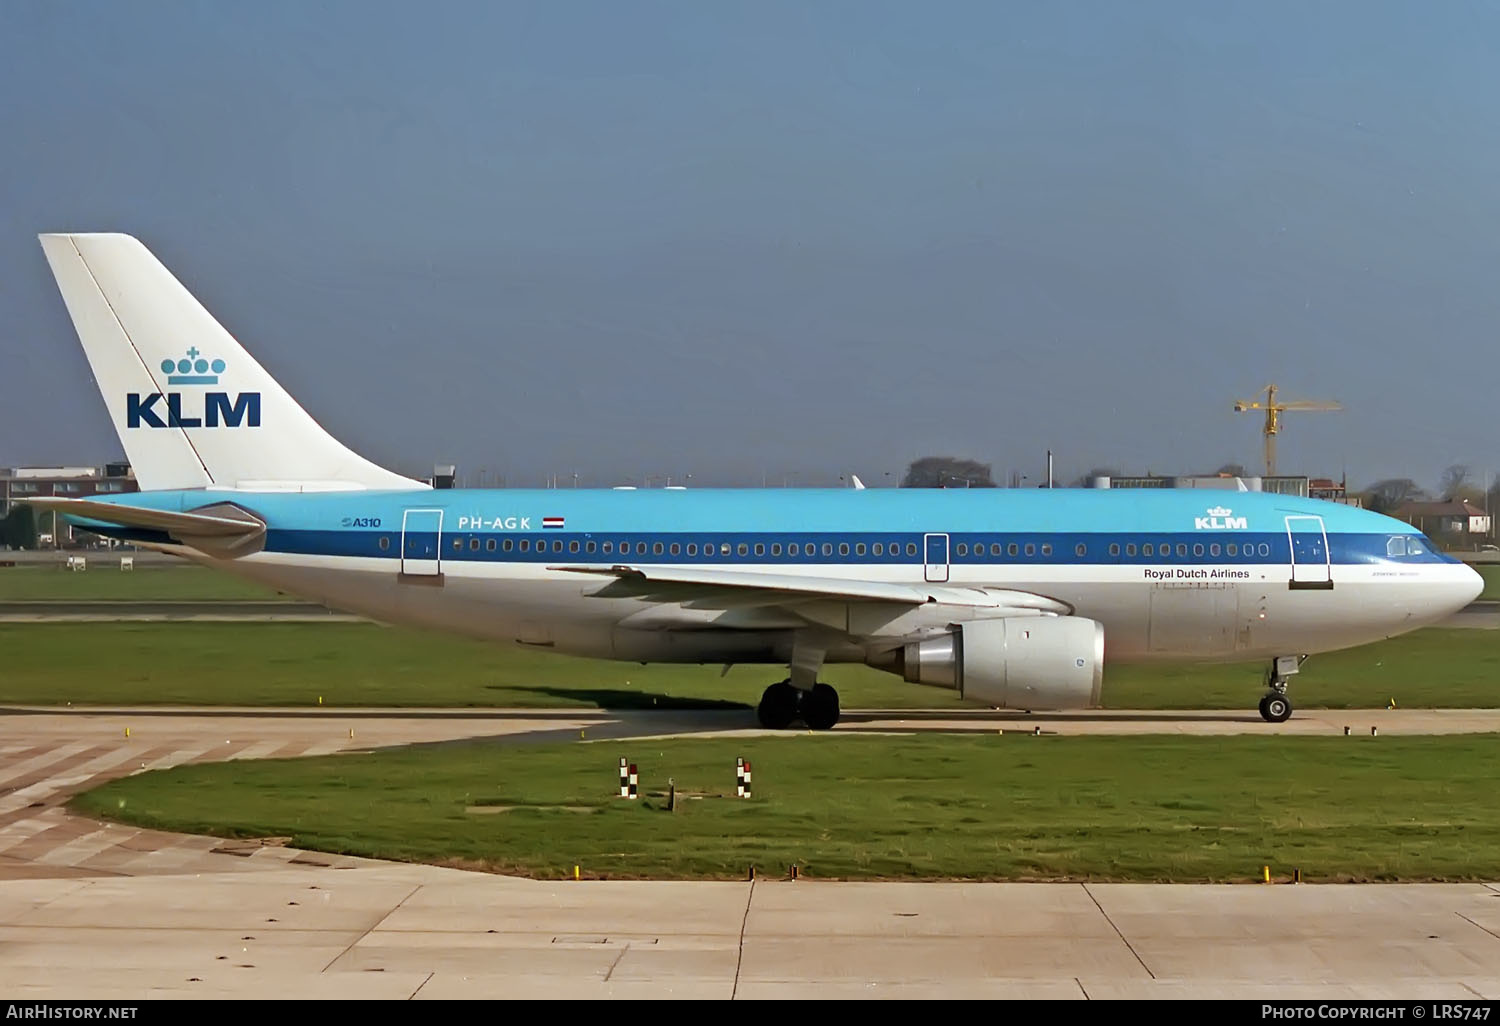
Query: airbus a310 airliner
[1011, 597]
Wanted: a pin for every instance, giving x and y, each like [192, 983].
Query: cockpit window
[1414, 547]
[1395, 546]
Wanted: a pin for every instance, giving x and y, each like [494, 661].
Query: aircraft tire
[1275, 708]
[778, 706]
[820, 707]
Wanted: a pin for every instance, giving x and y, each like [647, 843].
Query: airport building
[1308, 487]
[69, 482]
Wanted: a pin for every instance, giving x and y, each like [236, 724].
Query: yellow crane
[1274, 410]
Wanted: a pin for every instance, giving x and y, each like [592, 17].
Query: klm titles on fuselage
[218, 410]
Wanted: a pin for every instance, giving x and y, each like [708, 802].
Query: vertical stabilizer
[192, 408]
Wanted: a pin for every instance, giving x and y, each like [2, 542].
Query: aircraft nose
[1471, 586]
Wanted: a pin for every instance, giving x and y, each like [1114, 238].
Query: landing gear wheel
[1275, 708]
[778, 706]
[820, 707]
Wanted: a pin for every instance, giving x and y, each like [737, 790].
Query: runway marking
[258, 750]
[176, 758]
[21, 831]
[49, 756]
[88, 846]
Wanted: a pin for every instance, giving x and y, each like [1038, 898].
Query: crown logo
[1220, 511]
[193, 369]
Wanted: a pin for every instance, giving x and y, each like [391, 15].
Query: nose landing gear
[1275, 707]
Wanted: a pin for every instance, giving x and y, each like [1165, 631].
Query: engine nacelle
[1018, 662]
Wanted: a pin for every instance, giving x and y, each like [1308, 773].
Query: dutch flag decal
[552, 521]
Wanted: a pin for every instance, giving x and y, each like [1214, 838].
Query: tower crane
[1274, 410]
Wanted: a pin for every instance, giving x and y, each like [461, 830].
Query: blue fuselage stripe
[823, 548]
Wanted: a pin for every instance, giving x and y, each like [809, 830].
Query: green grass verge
[105, 581]
[1491, 574]
[295, 664]
[973, 807]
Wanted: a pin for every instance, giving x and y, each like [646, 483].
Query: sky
[783, 242]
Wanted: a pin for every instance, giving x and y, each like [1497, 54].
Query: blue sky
[783, 241]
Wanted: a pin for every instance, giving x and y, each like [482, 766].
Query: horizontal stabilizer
[225, 522]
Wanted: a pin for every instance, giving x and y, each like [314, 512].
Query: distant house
[1434, 518]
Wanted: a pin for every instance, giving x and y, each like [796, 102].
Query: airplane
[1014, 598]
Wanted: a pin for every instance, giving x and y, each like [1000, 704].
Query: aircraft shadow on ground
[621, 699]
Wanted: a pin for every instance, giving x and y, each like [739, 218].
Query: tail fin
[191, 407]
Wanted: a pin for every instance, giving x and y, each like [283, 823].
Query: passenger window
[1080, 550]
[760, 549]
[776, 548]
[1114, 548]
[1198, 549]
[1130, 548]
[473, 544]
[591, 546]
[1232, 549]
[676, 549]
[692, 548]
[859, 549]
[1181, 549]
[458, 544]
[827, 549]
[572, 546]
[605, 547]
[489, 545]
[791, 548]
[1146, 549]
[1213, 550]
[525, 545]
[1265, 550]
[656, 548]
[557, 546]
[995, 549]
[878, 549]
[507, 545]
[911, 548]
[1011, 549]
[385, 542]
[742, 549]
[1030, 549]
[1046, 548]
[843, 548]
[1395, 546]
[724, 548]
[963, 550]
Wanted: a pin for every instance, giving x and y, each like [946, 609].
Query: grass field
[294, 664]
[992, 807]
[104, 581]
[1491, 574]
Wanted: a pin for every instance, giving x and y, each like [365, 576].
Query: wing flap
[708, 588]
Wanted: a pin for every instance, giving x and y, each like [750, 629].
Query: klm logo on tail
[216, 409]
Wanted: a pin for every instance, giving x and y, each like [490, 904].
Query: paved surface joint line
[1471, 922]
[740, 956]
[1115, 928]
[394, 909]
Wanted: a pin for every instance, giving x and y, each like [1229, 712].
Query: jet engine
[1019, 662]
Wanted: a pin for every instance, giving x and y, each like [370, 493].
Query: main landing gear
[782, 703]
[1276, 707]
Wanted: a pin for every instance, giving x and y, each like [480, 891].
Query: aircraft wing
[222, 521]
[708, 588]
